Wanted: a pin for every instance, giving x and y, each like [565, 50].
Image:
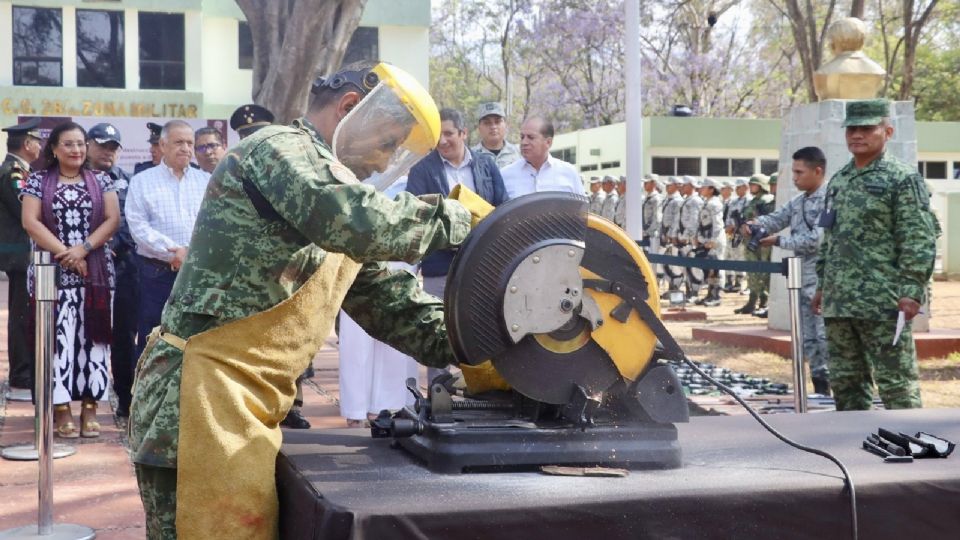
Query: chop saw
[554, 317]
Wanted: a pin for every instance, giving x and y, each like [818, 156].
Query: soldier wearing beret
[876, 260]
[155, 153]
[23, 148]
[249, 118]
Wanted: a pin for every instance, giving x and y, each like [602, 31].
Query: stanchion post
[45, 285]
[794, 284]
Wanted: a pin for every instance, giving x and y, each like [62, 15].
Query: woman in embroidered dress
[71, 211]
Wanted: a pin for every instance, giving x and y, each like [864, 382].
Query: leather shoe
[295, 420]
[745, 310]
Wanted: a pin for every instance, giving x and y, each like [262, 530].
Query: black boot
[713, 298]
[821, 385]
[762, 310]
[736, 285]
[295, 419]
[748, 308]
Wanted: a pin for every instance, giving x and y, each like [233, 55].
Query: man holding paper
[876, 259]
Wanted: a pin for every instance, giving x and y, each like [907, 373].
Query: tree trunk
[912, 29]
[857, 8]
[294, 41]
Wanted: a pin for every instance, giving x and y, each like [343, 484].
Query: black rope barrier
[717, 264]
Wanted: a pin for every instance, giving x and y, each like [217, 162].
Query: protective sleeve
[915, 234]
[392, 308]
[351, 218]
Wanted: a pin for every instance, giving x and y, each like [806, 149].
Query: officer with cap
[670, 228]
[761, 204]
[652, 215]
[728, 197]
[104, 145]
[689, 222]
[492, 127]
[155, 154]
[874, 267]
[609, 208]
[596, 196]
[249, 118]
[23, 148]
[620, 211]
[733, 220]
[711, 238]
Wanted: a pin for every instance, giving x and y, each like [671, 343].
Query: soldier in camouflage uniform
[761, 204]
[802, 214]
[23, 148]
[711, 238]
[596, 196]
[733, 220]
[687, 232]
[876, 260]
[652, 216]
[610, 198]
[728, 198]
[670, 228]
[279, 205]
[620, 210]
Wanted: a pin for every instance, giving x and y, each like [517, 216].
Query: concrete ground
[96, 487]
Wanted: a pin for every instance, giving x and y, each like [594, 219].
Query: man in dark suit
[450, 164]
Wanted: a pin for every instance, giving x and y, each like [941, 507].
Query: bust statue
[850, 74]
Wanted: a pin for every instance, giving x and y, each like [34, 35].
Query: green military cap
[773, 179]
[866, 112]
[761, 180]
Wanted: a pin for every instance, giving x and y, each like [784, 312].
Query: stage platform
[737, 481]
[936, 343]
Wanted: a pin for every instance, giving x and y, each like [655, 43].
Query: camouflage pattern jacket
[710, 223]
[276, 205]
[508, 154]
[652, 214]
[620, 212]
[882, 242]
[671, 214]
[14, 241]
[761, 205]
[689, 218]
[596, 202]
[609, 208]
[802, 215]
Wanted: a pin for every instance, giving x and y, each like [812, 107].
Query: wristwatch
[87, 246]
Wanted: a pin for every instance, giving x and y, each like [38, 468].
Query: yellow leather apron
[238, 382]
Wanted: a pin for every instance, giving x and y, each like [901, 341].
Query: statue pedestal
[820, 124]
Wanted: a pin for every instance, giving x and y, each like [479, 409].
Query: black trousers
[18, 339]
[126, 305]
[156, 281]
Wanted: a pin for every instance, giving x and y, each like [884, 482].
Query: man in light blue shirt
[538, 170]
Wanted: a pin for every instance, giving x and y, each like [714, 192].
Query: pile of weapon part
[744, 385]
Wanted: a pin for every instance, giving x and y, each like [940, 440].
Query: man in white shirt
[538, 170]
[162, 205]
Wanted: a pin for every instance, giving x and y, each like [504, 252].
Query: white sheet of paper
[901, 322]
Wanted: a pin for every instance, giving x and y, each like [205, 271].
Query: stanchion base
[60, 531]
[29, 453]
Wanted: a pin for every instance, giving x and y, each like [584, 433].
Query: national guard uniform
[759, 282]
[242, 320]
[247, 119]
[653, 216]
[596, 197]
[711, 239]
[609, 208]
[154, 140]
[670, 228]
[510, 152]
[879, 246]
[126, 296]
[15, 257]
[687, 233]
[728, 197]
[735, 246]
[620, 210]
[802, 214]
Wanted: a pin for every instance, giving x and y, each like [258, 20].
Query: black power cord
[848, 481]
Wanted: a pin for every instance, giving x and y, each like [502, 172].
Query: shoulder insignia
[342, 173]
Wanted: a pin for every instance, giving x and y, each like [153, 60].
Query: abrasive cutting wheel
[549, 293]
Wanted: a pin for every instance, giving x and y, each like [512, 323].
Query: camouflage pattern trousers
[814, 334]
[158, 491]
[759, 282]
[861, 354]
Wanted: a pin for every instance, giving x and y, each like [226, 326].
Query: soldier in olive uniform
[278, 209]
[596, 196]
[687, 232]
[761, 204]
[876, 260]
[670, 228]
[802, 214]
[610, 198]
[711, 237]
[23, 148]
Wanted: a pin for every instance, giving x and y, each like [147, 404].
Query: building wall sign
[88, 107]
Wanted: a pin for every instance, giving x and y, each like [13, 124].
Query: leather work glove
[474, 203]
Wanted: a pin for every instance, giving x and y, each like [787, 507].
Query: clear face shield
[389, 130]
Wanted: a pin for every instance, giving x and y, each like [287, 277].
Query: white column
[634, 120]
[6, 44]
[69, 30]
[131, 49]
[192, 50]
